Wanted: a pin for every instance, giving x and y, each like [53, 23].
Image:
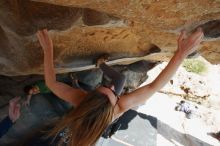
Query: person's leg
[118, 79]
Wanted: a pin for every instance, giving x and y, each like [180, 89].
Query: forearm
[168, 72]
[29, 97]
[49, 72]
[140, 95]
[62, 90]
[186, 45]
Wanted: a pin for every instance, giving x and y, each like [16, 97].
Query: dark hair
[182, 101]
[27, 88]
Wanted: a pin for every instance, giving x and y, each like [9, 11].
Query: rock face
[81, 30]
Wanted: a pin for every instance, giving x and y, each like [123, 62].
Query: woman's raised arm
[186, 45]
[64, 91]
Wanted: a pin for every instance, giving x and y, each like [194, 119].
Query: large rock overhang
[82, 30]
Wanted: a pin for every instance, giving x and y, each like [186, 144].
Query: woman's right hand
[45, 40]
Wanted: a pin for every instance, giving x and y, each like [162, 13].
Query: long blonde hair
[88, 121]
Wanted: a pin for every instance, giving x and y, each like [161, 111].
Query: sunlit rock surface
[82, 30]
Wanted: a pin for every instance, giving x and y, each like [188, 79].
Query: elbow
[50, 81]
[50, 84]
[153, 87]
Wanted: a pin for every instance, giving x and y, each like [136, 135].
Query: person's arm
[13, 115]
[186, 45]
[64, 91]
[28, 100]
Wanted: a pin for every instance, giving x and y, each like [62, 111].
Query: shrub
[195, 65]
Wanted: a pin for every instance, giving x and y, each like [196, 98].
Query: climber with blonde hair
[94, 111]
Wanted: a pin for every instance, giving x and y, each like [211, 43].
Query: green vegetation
[195, 65]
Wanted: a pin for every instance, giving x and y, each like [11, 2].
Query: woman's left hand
[45, 40]
[187, 45]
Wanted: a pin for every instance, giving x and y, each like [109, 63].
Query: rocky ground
[174, 129]
[199, 88]
[161, 125]
[202, 89]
